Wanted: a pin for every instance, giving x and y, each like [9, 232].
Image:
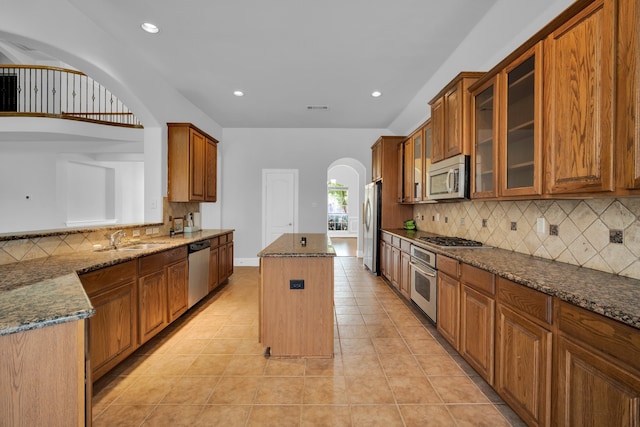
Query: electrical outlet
[462, 221]
[540, 225]
[296, 284]
[437, 217]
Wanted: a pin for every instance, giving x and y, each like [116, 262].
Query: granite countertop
[613, 296]
[47, 291]
[289, 245]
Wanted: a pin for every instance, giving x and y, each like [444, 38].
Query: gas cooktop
[452, 242]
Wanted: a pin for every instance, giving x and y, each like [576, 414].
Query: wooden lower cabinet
[524, 351]
[448, 303]
[178, 289]
[597, 369]
[43, 377]
[396, 273]
[523, 366]
[152, 294]
[477, 319]
[214, 268]
[405, 274]
[225, 258]
[113, 329]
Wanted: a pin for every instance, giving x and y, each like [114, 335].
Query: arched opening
[345, 183]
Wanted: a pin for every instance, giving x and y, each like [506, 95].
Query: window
[338, 215]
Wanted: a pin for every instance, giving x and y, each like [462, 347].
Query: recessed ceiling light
[376, 93]
[149, 27]
[238, 93]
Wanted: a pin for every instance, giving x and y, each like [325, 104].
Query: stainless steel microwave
[449, 178]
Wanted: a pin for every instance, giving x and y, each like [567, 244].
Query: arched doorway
[345, 195]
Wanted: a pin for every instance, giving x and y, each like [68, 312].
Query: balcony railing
[32, 90]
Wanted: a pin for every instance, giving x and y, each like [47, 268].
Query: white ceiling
[287, 54]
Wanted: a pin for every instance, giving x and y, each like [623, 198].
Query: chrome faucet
[115, 238]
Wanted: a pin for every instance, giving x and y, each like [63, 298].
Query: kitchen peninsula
[296, 296]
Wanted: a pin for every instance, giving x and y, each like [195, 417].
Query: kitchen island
[296, 296]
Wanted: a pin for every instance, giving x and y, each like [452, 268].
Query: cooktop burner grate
[451, 241]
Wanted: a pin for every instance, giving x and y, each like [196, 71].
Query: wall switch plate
[484, 223]
[462, 221]
[540, 225]
[296, 284]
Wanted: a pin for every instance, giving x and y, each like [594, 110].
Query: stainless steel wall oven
[424, 281]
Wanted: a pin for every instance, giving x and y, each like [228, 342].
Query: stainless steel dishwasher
[199, 255]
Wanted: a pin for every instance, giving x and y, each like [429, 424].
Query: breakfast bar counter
[296, 296]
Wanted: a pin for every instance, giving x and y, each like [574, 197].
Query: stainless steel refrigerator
[371, 219]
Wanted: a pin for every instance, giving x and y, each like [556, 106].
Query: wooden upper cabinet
[484, 153]
[427, 138]
[192, 164]
[437, 130]
[376, 161]
[628, 96]
[579, 58]
[451, 117]
[520, 129]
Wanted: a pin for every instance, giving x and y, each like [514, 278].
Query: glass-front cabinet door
[426, 130]
[485, 144]
[418, 154]
[520, 153]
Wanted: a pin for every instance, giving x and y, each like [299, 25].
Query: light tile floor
[391, 368]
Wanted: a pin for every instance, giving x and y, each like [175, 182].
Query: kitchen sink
[142, 246]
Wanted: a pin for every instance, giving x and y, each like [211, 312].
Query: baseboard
[246, 262]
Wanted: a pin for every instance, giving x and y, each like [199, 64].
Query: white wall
[247, 151]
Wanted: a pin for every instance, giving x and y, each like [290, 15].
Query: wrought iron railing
[32, 90]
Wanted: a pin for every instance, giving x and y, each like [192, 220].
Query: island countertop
[290, 245]
[46, 291]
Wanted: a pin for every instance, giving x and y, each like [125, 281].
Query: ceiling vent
[317, 107]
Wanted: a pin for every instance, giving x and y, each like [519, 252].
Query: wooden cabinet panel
[451, 118]
[192, 164]
[113, 330]
[448, 303]
[477, 322]
[437, 130]
[396, 271]
[211, 170]
[225, 262]
[448, 266]
[480, 280]
[197, 145]
[579, 93]
[523, 366]
[152, 297]
[594, 390]
[214, 268]
[525, 301]
[484, 147]
[178, 289]
[385, 150]
[405, 274]
[376, 161]
[628, 96]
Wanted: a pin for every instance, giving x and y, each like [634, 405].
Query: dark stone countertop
[613, 296]
[47, 291]
[289, 245]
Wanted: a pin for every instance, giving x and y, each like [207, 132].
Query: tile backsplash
[63, 243]
[602, 234]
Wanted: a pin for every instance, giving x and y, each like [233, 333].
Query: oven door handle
[418, 267]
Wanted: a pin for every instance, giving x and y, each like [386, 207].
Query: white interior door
[279, 203]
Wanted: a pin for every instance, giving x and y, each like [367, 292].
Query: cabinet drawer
[607, 335]
[109, 277]
[448, 266]
[405, 245]
[215, 241]
[395, 241]
[480, 280]
[158, 261]
[229, 237]
[526, 300]
[386, 237]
